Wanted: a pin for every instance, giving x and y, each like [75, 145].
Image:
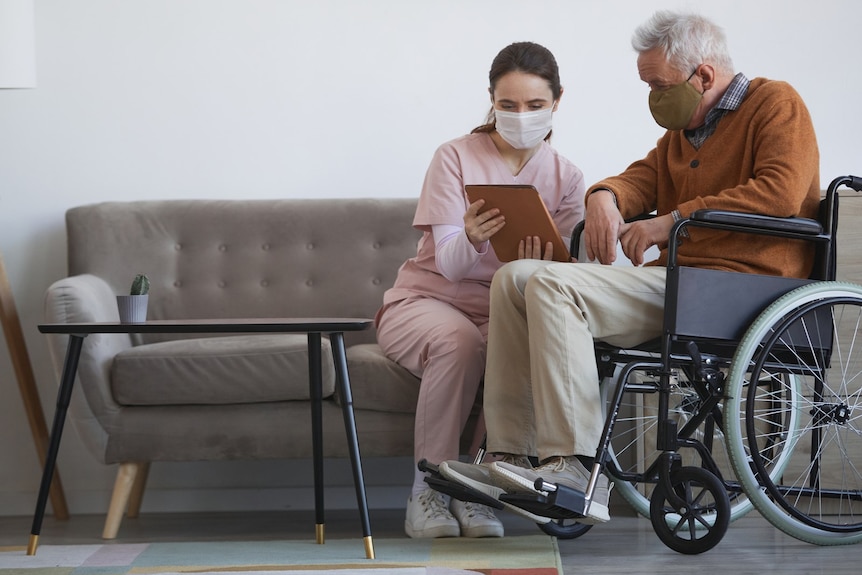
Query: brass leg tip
[319, 533]
[369, 548]
[31, 546]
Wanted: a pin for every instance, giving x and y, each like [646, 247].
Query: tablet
[526, 215]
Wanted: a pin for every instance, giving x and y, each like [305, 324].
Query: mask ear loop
[690, 76]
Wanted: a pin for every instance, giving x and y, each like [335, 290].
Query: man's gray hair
[687, 40]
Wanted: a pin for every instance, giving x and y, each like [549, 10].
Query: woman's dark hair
[526, 57]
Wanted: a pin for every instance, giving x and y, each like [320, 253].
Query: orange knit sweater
[762, 158]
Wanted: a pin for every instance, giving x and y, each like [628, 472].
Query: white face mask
[524, 130]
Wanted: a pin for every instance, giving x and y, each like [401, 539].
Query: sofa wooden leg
[120, 498]
[137, 495]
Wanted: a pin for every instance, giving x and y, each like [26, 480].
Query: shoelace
[478, 510]
[433, 503]
[556, 465]
[560, 464]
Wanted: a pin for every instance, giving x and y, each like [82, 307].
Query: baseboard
[204, 500]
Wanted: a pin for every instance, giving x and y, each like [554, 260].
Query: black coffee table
[314, 327]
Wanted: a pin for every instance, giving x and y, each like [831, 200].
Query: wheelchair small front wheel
[565, 528]
[697, 494]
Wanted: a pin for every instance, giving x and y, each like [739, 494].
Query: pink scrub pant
[446, 349]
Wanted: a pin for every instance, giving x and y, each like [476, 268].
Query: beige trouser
[541, 380]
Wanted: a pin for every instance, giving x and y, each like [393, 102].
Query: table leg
[339, 357]
[315, 381]
[64, 394]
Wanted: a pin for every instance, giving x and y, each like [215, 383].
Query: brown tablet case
[526, 215]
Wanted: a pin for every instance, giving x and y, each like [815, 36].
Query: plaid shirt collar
[731, 101]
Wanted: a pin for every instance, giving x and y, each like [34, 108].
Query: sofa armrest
[78, 299]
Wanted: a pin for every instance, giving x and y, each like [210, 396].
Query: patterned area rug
[526, 555]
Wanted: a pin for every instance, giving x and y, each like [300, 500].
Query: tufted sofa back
[247, 258]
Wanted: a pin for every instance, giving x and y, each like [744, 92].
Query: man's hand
[637, 237]
[480, 227]
[602, 225]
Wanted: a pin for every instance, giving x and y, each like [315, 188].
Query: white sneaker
[428, 516]
[476, 520]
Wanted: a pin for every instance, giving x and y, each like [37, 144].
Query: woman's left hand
[480, 227]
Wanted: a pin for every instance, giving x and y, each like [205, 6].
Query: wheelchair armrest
[805, 226]
[723, 219]
[794, 228]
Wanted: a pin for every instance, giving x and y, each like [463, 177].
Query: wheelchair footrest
[461, 492]
[437, 482]
[563, 503]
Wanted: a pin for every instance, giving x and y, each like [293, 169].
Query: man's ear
[706, 73]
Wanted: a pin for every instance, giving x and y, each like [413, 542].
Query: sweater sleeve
[635, 190]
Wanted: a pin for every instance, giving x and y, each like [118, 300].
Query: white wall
[331, 98]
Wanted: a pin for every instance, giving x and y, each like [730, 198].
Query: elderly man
[731, 144]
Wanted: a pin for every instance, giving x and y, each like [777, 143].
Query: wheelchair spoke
[805, 344]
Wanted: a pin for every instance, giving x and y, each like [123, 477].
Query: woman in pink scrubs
[434, 320]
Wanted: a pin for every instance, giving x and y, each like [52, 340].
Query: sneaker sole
[433, 532]
[510, 482]
[449, 473]
[484, 531]
[597, 513]
[601, 512]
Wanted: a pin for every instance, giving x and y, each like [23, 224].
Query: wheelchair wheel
[565, 528]
[807, 346]
[634, 453]
[695, 516]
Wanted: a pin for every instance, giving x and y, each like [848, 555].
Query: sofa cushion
[378, 383]
[218, 370]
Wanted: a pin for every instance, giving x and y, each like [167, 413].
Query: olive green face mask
[673, 108]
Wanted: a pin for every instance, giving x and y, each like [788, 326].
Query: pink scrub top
[474, 159]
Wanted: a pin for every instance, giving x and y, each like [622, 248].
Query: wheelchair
[751, 401]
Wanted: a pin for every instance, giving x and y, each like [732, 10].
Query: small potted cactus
[133, 307]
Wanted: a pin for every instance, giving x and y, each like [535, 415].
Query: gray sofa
[141, 399]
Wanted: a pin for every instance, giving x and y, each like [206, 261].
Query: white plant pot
[132, 308]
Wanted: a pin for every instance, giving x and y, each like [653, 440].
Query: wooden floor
[625, 545]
